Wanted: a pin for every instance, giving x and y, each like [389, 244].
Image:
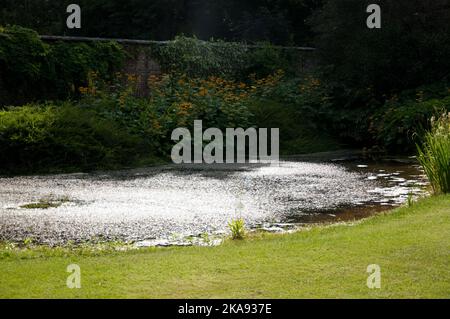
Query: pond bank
[409, 244]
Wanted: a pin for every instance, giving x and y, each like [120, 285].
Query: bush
[22, 63]
[110, 126]
[199, 58]
[395, 125]
[265, 59]
[434, 154]
[73, 63]
[231, 60]
[31, 70]
[175, 101]
[40, 137]
[237, 228]
[310, 97]
[365, 67]
[298, 134]
[410, 49]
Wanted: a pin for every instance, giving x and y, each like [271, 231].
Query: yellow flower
[156, 125]
[185, 105]
[202, 91]
[131, 77]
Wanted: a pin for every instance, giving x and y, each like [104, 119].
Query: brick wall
[141, 63]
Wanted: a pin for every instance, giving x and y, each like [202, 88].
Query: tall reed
[434, 154]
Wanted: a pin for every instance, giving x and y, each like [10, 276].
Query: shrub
[218, 102]
[198, 58]
[298, 133]
[73, 63]
[395, 125]
[31, 70]
[400, 55]
[230, 60]
[237, 228]
[175, 101]
[434, 154]
[310, 97]
[265, 59]
[22, 62]
[40, 137]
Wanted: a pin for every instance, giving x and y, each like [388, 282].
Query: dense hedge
[232, 60]
[224, 84]
[37, 138]
[109, 126]
[31, 70]
[399, 125]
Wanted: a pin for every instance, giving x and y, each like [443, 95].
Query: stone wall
[141, 63]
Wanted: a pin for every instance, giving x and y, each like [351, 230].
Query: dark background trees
[412, 48]
[380, 84]
[277, 21]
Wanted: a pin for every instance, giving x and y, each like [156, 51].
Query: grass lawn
[411, 245]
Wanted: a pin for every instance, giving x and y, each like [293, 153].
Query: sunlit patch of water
[184, 205]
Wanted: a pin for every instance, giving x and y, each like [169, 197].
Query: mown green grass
[411, 245]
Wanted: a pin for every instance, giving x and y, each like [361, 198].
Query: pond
[167, 204]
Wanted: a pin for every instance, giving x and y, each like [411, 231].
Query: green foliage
[299, 107]
[395, 124]
[310, 96]
[199, 58]
[31, 70]
[265, 59]
[384, 83]
[218, 102]
[44, 16]
[410, 200]
[237, 229]
[22, 62]
[72, 63]
[410, 49]
[299, 135]
[434, 154]
[231, 60]
[406, 240]
[37, 137]
[45, 203]
[175, 101]
[278, 21]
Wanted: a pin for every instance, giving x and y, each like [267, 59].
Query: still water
[164, 204]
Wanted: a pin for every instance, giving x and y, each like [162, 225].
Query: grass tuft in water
[410, 199]
[434, 154]
[237, 228]
[45, 203]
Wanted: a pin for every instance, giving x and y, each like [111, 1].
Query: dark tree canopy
[411, 48]
[277, 21]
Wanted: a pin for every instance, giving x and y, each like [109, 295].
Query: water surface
[172, 201]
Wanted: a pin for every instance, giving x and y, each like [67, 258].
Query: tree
[411, 48]
[277, 21]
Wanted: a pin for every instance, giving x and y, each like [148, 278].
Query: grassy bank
[411, 245]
